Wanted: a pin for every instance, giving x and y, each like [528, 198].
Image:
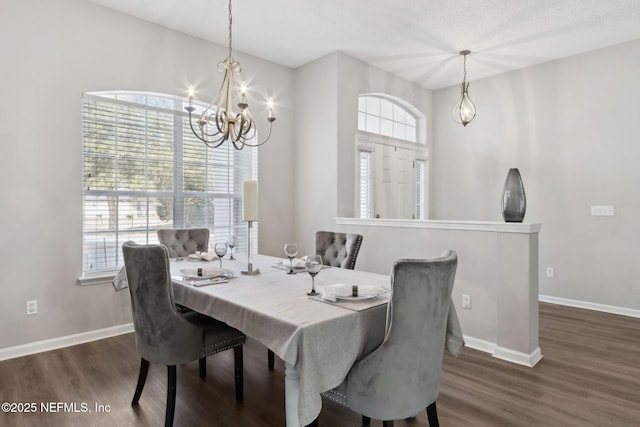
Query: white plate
[358, 298]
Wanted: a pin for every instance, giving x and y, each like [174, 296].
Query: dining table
[319, 340]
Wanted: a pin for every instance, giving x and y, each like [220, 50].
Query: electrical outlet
[551, 272]
[32, 307]
[466, 301]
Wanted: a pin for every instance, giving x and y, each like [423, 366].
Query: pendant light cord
[464, 78]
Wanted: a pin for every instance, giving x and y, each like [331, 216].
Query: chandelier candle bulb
[250, 201]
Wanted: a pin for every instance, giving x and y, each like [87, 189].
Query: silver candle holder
[250, 270]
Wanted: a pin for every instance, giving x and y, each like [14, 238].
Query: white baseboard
[481, 345]
[504, 353]
[590, 305]
[477, 344]
[517, 357]
[66, 341]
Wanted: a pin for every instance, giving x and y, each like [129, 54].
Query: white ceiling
[418, 40]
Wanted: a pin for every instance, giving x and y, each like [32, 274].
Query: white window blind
[420, 190]
[366, 185]
[145, 170]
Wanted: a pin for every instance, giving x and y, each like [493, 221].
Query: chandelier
[464, 111]
[219, 122]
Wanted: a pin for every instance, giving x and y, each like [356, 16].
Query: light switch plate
[605, 210]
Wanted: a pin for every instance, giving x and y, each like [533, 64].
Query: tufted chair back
[162, 334]
[183, 242]
[338, 249]
[166, 336]
[401, 377]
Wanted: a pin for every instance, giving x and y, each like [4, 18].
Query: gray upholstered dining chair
[182, 242]
[165, 336]
[401, 377]
[337, 250]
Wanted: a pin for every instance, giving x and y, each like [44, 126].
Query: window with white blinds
[366, 187]
[145, 170]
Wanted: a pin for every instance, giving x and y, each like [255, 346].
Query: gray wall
[568, 125]
[315, 167]
[52, 53]
[571, 127]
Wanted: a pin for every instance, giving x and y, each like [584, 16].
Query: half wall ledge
[497, 268]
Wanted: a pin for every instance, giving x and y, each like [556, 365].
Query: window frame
[399, 118]
[368, 141]
[220, 209]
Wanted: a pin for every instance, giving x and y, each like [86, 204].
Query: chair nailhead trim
[236, 342]
[330, 395]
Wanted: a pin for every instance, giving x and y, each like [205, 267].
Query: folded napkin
[202, 256]
[120, 281]
[333, 292]
[207, 272]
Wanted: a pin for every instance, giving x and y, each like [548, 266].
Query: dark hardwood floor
[590, 376]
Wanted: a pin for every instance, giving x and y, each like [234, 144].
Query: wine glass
[232, 242]
[313, 264]
[221, 250]
[291, 250]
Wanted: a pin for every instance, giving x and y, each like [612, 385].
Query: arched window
[145, 170]
[392, 159]
[382, 116]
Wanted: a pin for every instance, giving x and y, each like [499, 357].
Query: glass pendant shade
[465, 110]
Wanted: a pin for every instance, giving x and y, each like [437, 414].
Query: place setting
[295, 265]
[353, 297]
[204, 276]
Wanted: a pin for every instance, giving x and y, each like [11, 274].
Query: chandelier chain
[230, 22]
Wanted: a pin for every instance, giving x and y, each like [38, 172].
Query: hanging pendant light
[465, 110]
[219, 122]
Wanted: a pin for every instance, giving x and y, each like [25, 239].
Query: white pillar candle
[250, 201]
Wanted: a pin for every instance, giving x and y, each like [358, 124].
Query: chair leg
[271, 359]
[171, 395]
[387, 423]
[366, 420]
[432, 415]
[237, 358]
[203, 367]
[142, 377]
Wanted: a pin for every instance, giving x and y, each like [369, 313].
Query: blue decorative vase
[514, 201]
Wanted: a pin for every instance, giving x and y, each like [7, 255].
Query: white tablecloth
[320, 340]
